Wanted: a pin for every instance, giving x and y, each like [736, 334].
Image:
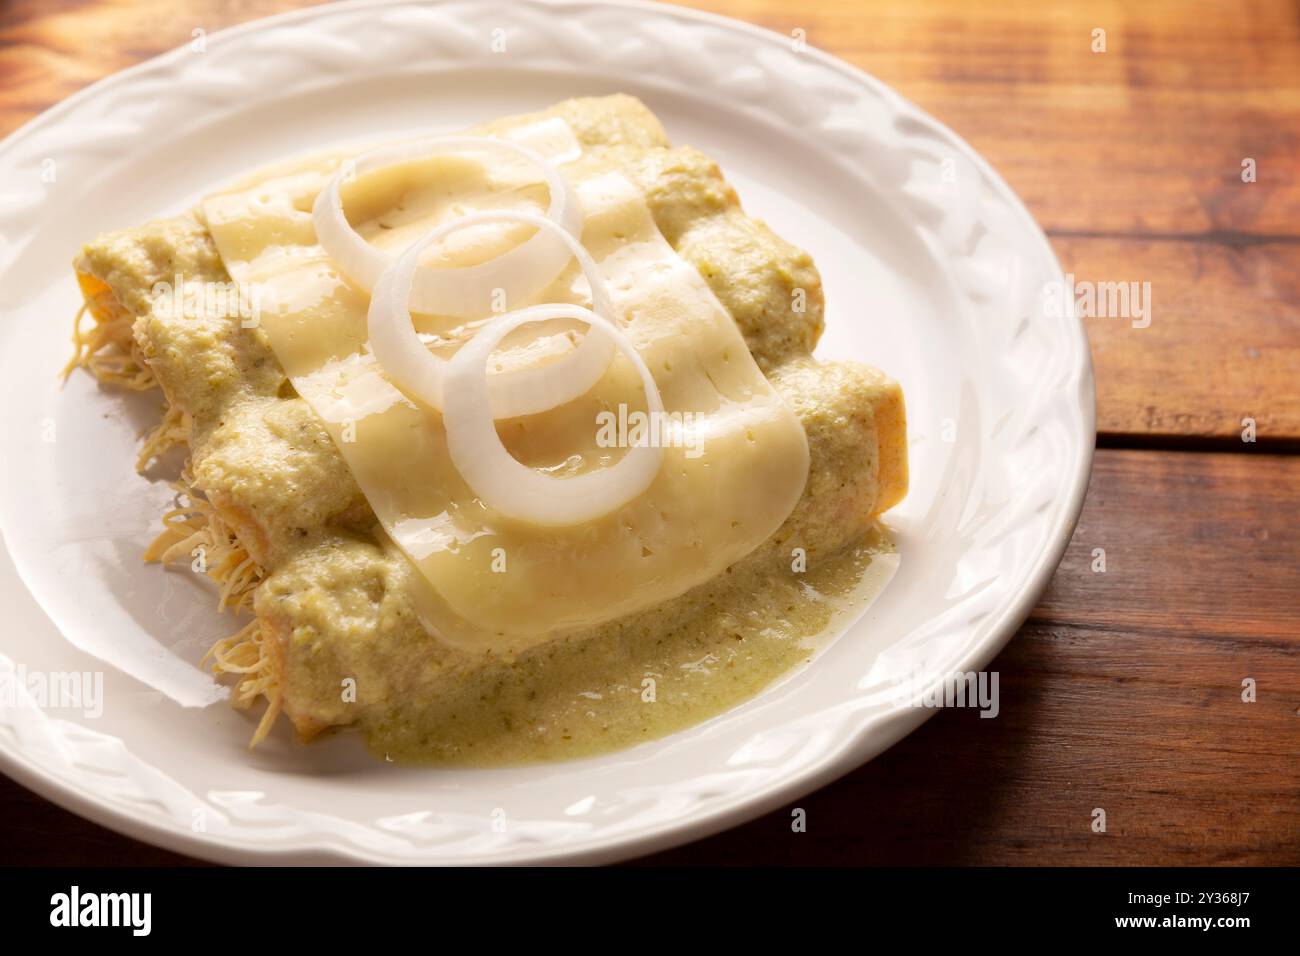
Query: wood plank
[1222, 343]
[1146, 138]
[50, 50]
[1122, 692]
[1198, 547]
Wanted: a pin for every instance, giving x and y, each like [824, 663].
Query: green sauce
[643, 677]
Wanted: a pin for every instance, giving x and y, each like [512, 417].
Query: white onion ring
[527, 391]
[462, 291]
[511, 488]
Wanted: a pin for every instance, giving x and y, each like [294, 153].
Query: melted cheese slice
[736, 461]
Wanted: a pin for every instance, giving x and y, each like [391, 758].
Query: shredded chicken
[107, 349]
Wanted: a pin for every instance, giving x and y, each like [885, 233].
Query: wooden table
[1124, 689]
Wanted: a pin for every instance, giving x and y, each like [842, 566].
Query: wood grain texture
[1221, 341]
[1123, 691]
[1145, 138]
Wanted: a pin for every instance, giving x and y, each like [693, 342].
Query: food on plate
[509, 445]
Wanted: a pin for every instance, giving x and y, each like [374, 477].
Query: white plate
[934, 271]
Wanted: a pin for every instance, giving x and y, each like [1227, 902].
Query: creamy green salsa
[643, 677]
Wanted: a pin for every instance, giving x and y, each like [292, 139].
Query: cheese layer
[736, 461]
